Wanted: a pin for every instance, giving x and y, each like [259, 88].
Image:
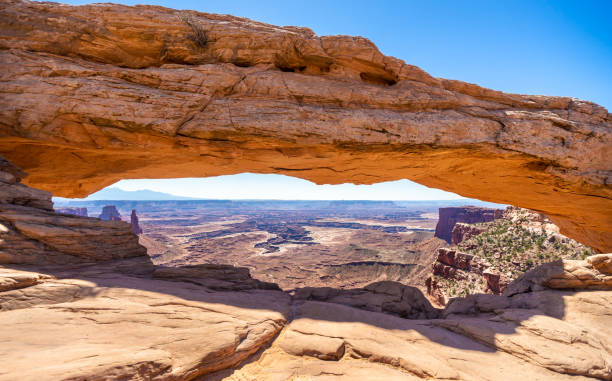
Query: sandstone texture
[81, 300]
[462, 231]
[31, 232]
[537, 336]
[94, 323]
[594, 272]
[97, 93]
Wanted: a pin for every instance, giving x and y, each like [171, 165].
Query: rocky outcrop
[96, 93]
[110, 213]
[12, 192]
[458, 266]
[549, 335]
[496, 282]
[96, 322]
[32, 233]
[594, 272]
[136, 229]
[214, 277]
[462, 231]
[448, 217]
[461, 261]
[389, 297]
[80, 299]
[74, 211]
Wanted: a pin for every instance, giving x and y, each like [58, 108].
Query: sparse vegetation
[198, 34]
[512, 245]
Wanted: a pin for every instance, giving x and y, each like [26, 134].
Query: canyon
[340, 244]
[93, 94]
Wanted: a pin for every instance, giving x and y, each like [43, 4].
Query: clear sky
[530, 47]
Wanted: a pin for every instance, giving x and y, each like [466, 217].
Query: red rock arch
[98, 93]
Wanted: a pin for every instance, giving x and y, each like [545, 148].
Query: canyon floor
[293, 243]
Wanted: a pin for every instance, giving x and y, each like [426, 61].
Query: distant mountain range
[120, 194]
[117, 194]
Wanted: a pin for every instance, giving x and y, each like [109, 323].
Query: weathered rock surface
[110, 213]
[462, 231]
[74, 211]
[389, 297]
[96, 323]
[450, 216]
[31, 232]
[536, 336]
[97, 93]
[215, 277]
[595, 272]
[462, 261]
[126, 319]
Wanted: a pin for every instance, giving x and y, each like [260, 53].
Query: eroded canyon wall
[97, 93]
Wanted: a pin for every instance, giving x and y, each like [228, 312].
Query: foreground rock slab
[539, 336]
[98, 93]
[119, 327]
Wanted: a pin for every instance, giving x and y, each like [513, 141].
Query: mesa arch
[93, 94]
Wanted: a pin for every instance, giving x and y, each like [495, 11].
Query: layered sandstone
[97, 93]
[32, 233]
[462, 231]
[449, 217]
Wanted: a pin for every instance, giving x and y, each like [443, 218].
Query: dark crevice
[378, 79]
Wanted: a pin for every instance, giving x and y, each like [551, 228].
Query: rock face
[389, 297]
[448, 217]
[463, 231]
[32, 233]
[96, 322]
[110, 213]
[456, 266]
[134, 222]
[593, 273]
[97, 93]
[548, 335]
[74, 211]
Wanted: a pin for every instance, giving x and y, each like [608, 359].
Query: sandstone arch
[94, 94]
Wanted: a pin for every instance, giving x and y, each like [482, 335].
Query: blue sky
[530, 47]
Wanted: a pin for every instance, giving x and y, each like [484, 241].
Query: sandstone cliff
[448, 217]
[97, 93]
[31, 232]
